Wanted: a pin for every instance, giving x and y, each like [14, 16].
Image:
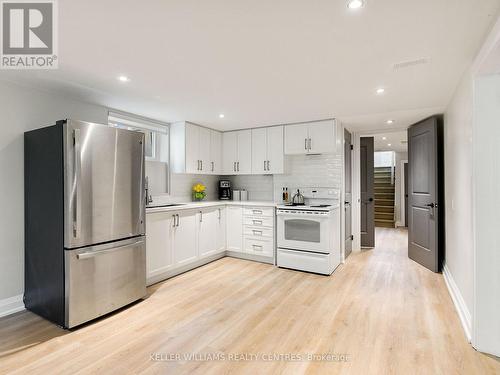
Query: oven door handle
[304, 216]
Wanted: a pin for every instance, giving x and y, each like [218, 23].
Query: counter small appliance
[224, 190]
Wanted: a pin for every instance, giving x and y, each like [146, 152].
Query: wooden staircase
[384, 198]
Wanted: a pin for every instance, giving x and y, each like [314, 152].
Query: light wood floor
[386, 313]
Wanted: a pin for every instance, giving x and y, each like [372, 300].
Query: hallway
[386, 313]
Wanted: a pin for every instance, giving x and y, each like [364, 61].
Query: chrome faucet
[149, 198]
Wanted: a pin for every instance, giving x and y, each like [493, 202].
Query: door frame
[356, 181]
[402, 220]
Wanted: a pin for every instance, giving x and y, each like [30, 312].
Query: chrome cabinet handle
[238, 165]
[265, 165]
[173, 224]
[268, 165]
[220, 215]
[201, 165]
[257, 212]
[212, 166]
[201, 217]
[259, 247]
[77, 209]
[310, 144]
[305, 144]
[234, 167]
[257, 222]
[257, 232]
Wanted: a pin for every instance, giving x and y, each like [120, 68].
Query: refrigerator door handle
[92, 254]
[77, 212]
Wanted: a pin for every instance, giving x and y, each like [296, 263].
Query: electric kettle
[298, 199]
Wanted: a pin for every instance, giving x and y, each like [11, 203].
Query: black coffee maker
[224, 190]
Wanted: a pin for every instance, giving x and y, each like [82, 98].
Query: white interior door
[275, 155]
[244, 152]
[192, 148]
[229, 152]
[322, 137]
[259, 151]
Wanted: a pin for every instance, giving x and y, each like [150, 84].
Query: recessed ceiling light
[380, 91]
[389, 122]
[384, 138]
[221, 115]
[123, 79]
[355, 4]
[389, 144]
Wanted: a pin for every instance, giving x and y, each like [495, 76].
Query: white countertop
[195, 205]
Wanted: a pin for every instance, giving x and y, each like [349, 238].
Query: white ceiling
[266, 62]
[396, 140]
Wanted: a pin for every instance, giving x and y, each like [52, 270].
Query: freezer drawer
[100, 279]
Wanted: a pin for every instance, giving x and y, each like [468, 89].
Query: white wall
[486, 187]
[24, 109]
[383, 159]
[458, 189]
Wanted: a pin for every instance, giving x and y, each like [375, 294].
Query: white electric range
[308, 236]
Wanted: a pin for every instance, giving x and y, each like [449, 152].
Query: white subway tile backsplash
[180, 188]
[309, 171]
[259, 187]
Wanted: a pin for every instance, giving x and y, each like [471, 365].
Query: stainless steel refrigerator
[85, 253]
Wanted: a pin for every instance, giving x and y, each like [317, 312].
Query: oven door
[305, 231]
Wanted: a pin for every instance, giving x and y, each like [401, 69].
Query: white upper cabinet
[194, 149]
[192, 160]
[215, 152]
[237, 152]
[267, 150]
[229, 152]
[310, 138]
[244, 165]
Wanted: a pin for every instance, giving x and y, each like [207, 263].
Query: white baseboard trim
[11, 305]
[458, 301]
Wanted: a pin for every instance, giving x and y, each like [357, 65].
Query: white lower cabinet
[183, 238]
[211, 231]
[258, 231]
[234, 228]
[179, 240]
[159, 259]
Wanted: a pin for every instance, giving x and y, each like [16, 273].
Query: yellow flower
[199, 188]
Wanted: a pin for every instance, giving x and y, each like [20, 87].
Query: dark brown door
[405, 171]
[424, 153]
[367, 204]
[348, 192]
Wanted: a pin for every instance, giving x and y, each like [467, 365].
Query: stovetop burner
[321, 206]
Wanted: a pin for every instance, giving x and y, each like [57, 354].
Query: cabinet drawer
[258, 231]
[258, 247]
[259, 221]
[259, 211]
